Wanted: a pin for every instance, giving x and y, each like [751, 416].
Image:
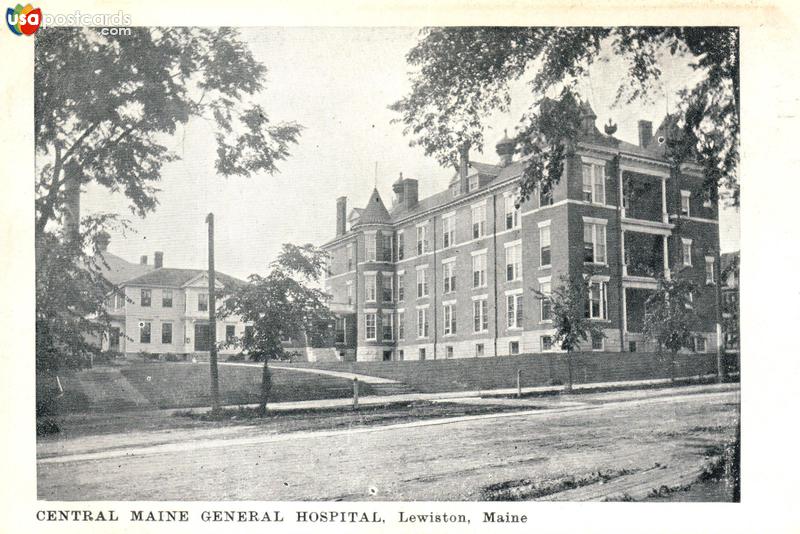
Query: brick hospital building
[452, 275]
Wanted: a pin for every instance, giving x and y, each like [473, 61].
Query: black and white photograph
[285, 275]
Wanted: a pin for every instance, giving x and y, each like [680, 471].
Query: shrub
[240, 357]
[172, 358]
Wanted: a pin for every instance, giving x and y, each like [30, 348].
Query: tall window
[545, 195]
[479, 270]
[339, 329]
[513, 262]
[449, 319]
[449, 275]
[472, 183]
[422, 283]
[388, 289]
[422, 322]
[401, 287]
[166, 298]
[546, 311]
[448, 231]
[370, 290]
[478, 221]
[594, 183]
[401, 245]
[350, 257]
[202, 302]
[544, 245]
[710, 270]
[422, 239]
[371, 326]
[146, 295]
[687, 252]
[370, 242]
[686, 209]
[144, 332]
[401, 325]
[596, 304]
[514, 310]
[230, 333]
[480, 317]
[349, 286]
[166, 333]
[388, 246]
[512, 212]
[388, 326]
[594, 243]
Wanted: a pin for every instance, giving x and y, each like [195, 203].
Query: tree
[104, 109]
[670, 317]
[465, 73]
[282, 303]
[568, 304]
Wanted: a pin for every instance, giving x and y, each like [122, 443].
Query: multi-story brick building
[452, 275]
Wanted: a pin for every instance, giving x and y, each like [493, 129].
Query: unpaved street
[642, 437]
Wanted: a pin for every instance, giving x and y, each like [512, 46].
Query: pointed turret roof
[375, 212]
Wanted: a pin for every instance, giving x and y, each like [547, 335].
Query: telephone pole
[212, 317]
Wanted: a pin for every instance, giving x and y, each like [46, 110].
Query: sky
[337, 83]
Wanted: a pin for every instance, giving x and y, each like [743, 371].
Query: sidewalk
[485, 396]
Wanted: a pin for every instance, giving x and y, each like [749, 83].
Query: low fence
[430, 376]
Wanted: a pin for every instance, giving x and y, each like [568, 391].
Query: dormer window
[472, 183]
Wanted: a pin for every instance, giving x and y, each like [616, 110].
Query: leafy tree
[670, 317]
[568, 304]
[465, 73]
[284, 302]
[104, 110]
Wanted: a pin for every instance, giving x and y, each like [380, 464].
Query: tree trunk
[569, 371]
[672, 356]
[266, 386]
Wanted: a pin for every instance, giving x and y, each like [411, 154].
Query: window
[119, 301]
[422, 284]
[473, 182]
[449, 319]
[594, 183]
[479, 350]
[388, 287]
[370, 242]
[401, 355]
[422, 239]
[448, 351]
[449, 274]
[686, 204]
[388, 246]
[448, 231]
[388, 326]
[144, 332]
[401, 325]
[166, 298]
[349, 289]
[202, 302]
[422, 322]
[480, 315]
[401, 287]
[513, 347]
[545, 195]
[687, 252]
[478, 221]
[596, 304]
[479, 270]
[514, 310]
[230, 333]
[594, 242]
[700, 344]
[632, 346]
[544, 245]
[339, 329]
[710, 270]
[350, 258]
[146, 297]
[512, 212]
[598, 342]
[371, 326]
[547, 343]
[421, 353]
[545, 309]
[401, 245]
[513, 262]
[166, 333]
[369, 287]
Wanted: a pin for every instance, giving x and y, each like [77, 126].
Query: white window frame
[422, 282]
[449, 276]
[448, 230]
[596, 225]
[480, 312]
[544, 229]
[422, 239]
[349, 291]
[546, 289]
[146, 325]
[401, 327]
[349, 260]
[686, 251]
[511, 211]
[514, 260]
[374, 316]
[401, 245]
[511, 342]
[552, 343]
[171, 333]
[479, 266]
[384, 278]
[422, 323]
[387, 320]
[603, 315]
[473, 183]
[164, 293]
[390, 238]
[370, 287]
[478, 219]
[602, 344]
[710, 262]
[516, 298]
[480, 352]
[401, 286]
[370, 246]
[686, 196]
[597, 181]
[449, 318]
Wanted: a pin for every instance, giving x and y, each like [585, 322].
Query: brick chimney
[645, 133]
[399, 191]
[143, 259]
[158, 259]
[463, 166]
[341, 215]
[410, 192]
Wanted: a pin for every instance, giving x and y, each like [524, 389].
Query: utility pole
[212, 317]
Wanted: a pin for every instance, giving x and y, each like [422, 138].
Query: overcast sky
[337, 83]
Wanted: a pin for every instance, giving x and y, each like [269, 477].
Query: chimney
[341, 215]
[158, 259]
[645, 133]
[410, 192]
[143, 259]
[399, 191]
[103, 239]
[463, 166]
